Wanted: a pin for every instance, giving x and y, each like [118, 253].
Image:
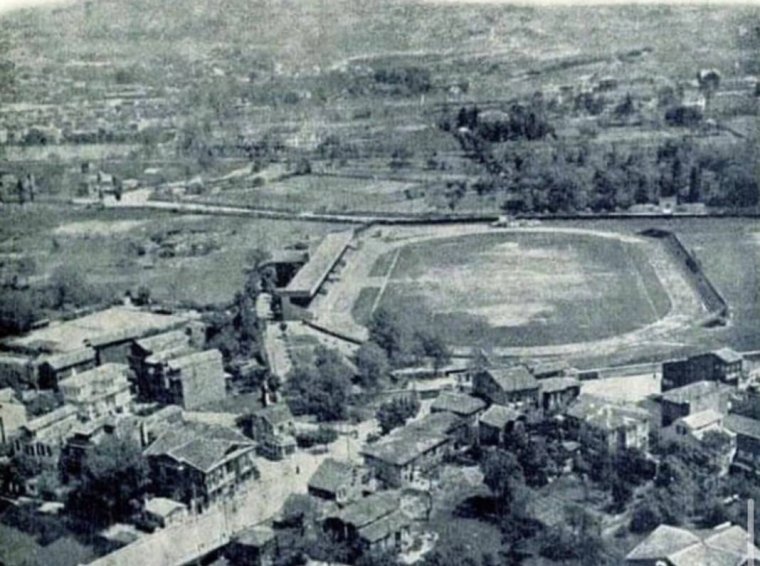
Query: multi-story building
[603, 425]
[723, 365]
[201, 464]
[43, 437]
[747, 431]
[272, 427]
[12, 416]
[693, 398]
[507, 386]
[98, 392]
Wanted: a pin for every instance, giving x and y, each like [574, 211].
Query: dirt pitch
[527, 291]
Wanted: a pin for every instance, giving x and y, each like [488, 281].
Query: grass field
[326, 193]
[105, 247]
[525, 289]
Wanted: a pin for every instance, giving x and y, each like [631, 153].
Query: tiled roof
[68, 359]
[458, 403]
[277, 413]
[722, 546]
[406, 444]
[310, 276]
[555, 384]
[331, 475]
[728, 355]
[106, 372]
[604, 414]
[190, 361]
[692, 391]
[701, 419]
[201, 446]
[370, 508]
[163, 341]
[498, 416]
[742, 425]
[516, 378]
[162, 506]
[384, 527]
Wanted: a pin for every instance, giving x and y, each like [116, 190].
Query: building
[148, 357]
[495, 424]
[603, 425]
[164, 512]
[374, 523]
[56, 367]
[98, 392]
[272, 427]
[193, 380]
[109, 332]
[674, 546]
[693, 398]
[43, 437]
[201, 464]
[255, 546]
[556, 393]
[507, 386]
[12, 416]
[723, 365]
[747, 431]
[309, 279]
[693, 428]
[465, 406]
[336, 481]
[406, 453]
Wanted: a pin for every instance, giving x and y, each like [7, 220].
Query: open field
[527, 289]
[325, 193]
[183, 258]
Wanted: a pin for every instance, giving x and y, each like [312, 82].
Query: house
[693, 398]
[747, 431]
[43, 437]
[495, 424]
[558, 392]
[414, 449]
[507, 386]
[693, 428]
[272, 427]
[194, 379]
[98, 392]
[599, 424]
[12, 416]
[336, 481]
[723, 365]
[374, 523]
[673, 546]
[465, 406]
[84, 438]
[163, 511]
[546, 370]
[200, 464]
[56, 367]
[254, 546]
[150, 427]
[147, 359]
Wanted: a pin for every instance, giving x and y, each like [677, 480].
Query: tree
[372, 363]
[69, 287]
[646, 517]
[503, 475]
[321, 388]
[396, 412]
[114, 476]
[18, 311]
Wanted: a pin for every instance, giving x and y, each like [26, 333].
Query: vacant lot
[525, 289]
[184, 258]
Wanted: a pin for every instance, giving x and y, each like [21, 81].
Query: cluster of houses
[148, 377]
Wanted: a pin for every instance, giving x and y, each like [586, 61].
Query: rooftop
[406, 444]
[725, 545]
[728, 355]
[370, 509]
[331, 475]
[458, 403]
[162, 341]
[100, 374]
[255, 536]
[604, 414]
[122, 322]
[384, 527]
[692, 391]
[195, 359]
[742, 425]
[498, 416]
[555, 384]
[68, 359]
[277, 413]
[202, 446]
[516, 378]
[163, 506]
[701, 419]
[307, 281]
